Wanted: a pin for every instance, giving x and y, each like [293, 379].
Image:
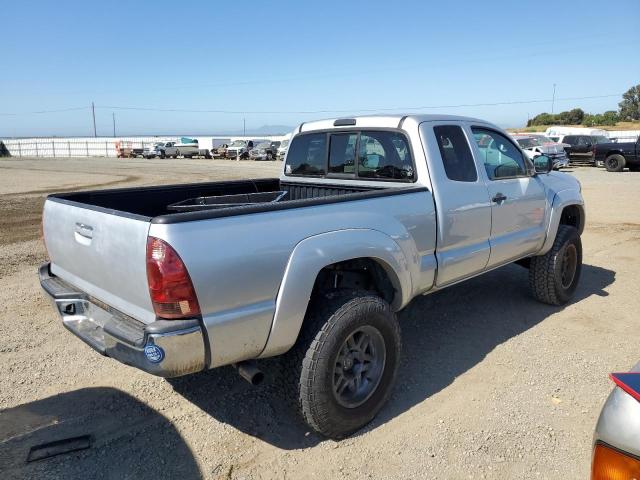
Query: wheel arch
[358, 250]
[567, 209]
[613, 152]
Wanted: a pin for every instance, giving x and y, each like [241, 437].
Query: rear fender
[312, 255]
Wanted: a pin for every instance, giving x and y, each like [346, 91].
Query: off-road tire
[614, 163]
[308, 368]
[546, 279]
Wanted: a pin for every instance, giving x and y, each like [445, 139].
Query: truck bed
[151, 203]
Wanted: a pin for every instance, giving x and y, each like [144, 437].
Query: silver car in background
[534, 147]
[282, 149]
[616, 448]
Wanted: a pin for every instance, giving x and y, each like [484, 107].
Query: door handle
[499, 198]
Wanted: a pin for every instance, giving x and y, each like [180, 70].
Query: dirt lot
[492, 384]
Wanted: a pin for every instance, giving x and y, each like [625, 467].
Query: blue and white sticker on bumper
[154, 353]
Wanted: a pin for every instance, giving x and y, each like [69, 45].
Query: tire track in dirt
[21, 213]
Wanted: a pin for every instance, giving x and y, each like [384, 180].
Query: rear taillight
[610, 464]
[170, 286]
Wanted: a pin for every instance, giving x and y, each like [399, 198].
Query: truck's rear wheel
[342, 369]
[614, 163]
[554, 276]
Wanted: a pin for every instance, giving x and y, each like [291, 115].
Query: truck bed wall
[153, 201]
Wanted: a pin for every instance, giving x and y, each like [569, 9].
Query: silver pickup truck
[368, 213]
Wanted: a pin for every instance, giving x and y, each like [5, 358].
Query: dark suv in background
[581, 148]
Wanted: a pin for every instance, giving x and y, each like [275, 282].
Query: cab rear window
[365, 155]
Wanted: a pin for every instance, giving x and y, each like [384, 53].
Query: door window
[501, 158]
[456, 155]
[583, 141]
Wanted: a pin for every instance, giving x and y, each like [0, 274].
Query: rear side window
[342, 153]
[570, 139]
[384, 155]
[456, 154]
[306, 155]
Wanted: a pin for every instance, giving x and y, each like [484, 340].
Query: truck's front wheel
[342, 369]
[554, 276]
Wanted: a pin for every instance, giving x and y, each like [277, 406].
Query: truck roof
[378, 121]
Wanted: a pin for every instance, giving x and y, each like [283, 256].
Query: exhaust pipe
[249, 372]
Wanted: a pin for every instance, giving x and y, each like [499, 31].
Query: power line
[37, 112]
[353, 110]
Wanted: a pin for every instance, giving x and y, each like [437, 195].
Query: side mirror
[542, 164]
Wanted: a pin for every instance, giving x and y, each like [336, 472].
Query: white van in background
[557, 133]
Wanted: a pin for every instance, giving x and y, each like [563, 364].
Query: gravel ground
[492, 384]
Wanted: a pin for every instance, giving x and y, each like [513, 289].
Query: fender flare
[562, 200]
[313, 254]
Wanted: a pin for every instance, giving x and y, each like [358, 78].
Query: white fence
[75, 147]
[95, 147]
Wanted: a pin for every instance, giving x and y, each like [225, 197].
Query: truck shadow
[444, 335]
[112, 419]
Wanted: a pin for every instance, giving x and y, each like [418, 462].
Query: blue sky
[291, 57]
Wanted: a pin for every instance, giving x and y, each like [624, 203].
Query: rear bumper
[166, 348]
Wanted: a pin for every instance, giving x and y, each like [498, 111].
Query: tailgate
[102, 254]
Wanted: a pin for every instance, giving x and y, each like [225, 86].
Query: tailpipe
[250, 372]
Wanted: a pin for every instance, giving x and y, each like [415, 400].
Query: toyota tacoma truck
[312, 266]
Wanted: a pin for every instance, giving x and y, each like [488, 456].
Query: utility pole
[553, 99]
[93, 111]
[244, 127]
[114, 124]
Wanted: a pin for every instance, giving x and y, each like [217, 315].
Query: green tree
[610, 117]
[575, 116]
[630, 104]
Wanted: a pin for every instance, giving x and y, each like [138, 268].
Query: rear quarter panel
[237, 263]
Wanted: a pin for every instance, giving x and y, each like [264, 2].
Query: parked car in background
[615, 156]
[156, 150]
[543, 138]
[239, 149]
[208, 147]
[581, 148]
[137, 152]
[264, 151]
[282, 149]
[367, 214]
[534, 147]
[221, 151]
[185, 149]
[616, 442]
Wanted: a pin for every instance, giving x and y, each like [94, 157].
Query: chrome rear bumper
[167, 348]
